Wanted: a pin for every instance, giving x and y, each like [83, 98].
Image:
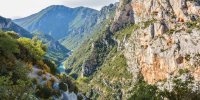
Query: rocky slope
[157, 40]
[166, 41]
[8, 25]
[105, 13]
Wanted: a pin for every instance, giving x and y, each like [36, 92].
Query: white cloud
[22, 8]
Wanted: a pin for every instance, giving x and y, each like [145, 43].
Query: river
[61, 68]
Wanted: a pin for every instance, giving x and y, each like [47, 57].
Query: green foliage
[86, 50]
[44, 92]
[171, 31]
[144, 91]
[16, 84]
[112, 77]
[83, 80]
[181, 90]
[189, 24]
[17, 56]
[193, 24]
[35, 47]
[126, 32]
[51, 65]
[55, 51]
[183, 71]
[8, 45]
[63, 86]
[149, 22]
[115, 66]
[70, 84]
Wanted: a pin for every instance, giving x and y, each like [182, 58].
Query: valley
[128, 50]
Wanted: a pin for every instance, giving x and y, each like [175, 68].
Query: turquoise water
[61, 68]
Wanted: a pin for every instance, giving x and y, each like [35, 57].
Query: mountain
[59, 21]
[69, 25]
[8, 25]
[149, 51]
[73, 41]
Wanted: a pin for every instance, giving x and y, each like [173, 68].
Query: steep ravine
[157, 40]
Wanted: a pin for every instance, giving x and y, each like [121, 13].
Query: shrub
[63, 86]
[40, 73]
[44, 92]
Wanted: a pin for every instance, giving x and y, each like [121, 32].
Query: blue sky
[21, 8]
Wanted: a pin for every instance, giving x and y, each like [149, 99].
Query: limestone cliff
[167, 38]
[150, 38]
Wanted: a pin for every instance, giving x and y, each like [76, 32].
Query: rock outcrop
[167, 39]
[124, 16]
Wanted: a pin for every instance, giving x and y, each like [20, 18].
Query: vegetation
[56, 52]
[14, 81]
[68, 84]
[144, 91]
[74, 63]
[126, 32]
[183, 89]
[18, 56]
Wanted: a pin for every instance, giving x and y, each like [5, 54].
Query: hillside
[150, 51]
[26, 75]
[8, 25]
[74, 41]
[56, 51]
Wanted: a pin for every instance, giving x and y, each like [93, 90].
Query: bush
[40, 73]
[143, 91]
[71, 85]
[63, 86]
[44, 92]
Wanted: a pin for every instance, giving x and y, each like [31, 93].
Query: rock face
[124, 15]
[8, 25]
[99, 52]
[166, 40]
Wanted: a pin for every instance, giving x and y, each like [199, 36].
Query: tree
[35, 47]
[16, 85]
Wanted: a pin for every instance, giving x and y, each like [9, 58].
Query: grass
[126, 32]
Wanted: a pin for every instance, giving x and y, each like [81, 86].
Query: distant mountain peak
[58, 7]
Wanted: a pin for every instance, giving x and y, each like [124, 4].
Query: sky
[21, 8]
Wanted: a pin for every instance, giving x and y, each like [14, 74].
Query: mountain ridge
[68, 25]
[57, 15]
[7, 25]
